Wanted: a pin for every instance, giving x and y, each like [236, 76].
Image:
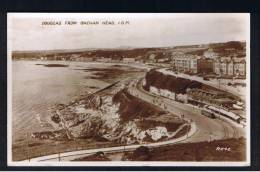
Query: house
[103, 59]
[231, 67]
[240, 67]
[216, 66]
[43, 58]
[152, 56]
[223, 67]
[86, 59]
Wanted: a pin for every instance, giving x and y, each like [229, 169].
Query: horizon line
[127, 47]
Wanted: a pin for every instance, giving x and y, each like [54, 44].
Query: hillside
[201, 151]
[168, 82]
[230, 48]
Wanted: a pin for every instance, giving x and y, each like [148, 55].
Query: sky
[26, 31]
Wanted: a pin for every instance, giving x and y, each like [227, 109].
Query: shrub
[55, 118]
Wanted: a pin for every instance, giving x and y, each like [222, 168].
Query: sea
[36, 88]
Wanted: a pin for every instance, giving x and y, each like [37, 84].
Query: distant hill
[222, 49]
[98, 53]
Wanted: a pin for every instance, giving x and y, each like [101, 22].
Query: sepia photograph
[128, 89]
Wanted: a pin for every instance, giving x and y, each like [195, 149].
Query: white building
[103, 59]
[185, 63]
[162, 60]
[240, 67]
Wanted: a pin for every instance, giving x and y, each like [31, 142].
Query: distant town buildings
[103, 59]
[128, 60]
[43, 58]
[151, 58]
[202, 59]
[115, 60]
[225, 66]
[86, 59]
[162, 60]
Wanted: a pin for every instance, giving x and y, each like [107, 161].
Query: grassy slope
[131, 107]
[201, 151]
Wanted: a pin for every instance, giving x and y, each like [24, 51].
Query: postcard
[128, 89]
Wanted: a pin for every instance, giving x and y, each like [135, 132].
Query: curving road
[207, 128]
[68, 156]
[202, 127]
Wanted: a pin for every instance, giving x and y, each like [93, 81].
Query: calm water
[36, 88]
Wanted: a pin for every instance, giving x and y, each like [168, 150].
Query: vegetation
[55, 118]
[132, 108]
[142, 153]
[42, 147]
[201, 151]
[171, 83]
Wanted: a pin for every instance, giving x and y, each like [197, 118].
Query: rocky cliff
[120, 118]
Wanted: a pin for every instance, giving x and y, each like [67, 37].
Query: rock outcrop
[119, 118]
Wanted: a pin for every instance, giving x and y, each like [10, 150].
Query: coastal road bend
[202, 128]
[68, 156]
[207, 128]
